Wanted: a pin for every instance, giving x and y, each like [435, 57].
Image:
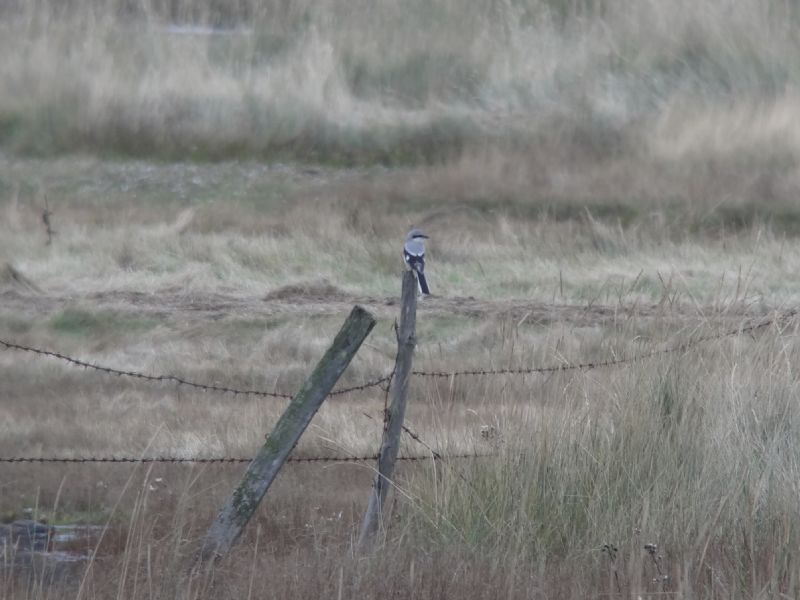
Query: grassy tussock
[693, 455]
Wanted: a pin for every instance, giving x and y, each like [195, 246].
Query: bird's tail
[423, 283]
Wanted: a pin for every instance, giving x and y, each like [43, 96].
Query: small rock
[26, 535]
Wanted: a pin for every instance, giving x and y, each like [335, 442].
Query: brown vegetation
[599, 179]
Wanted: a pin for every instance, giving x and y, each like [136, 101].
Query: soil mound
[311, 291]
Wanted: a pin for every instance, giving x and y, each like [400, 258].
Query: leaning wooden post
[390, 446]
[270, 458]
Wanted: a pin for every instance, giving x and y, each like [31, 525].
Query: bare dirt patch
[321, 300]
[322, 291]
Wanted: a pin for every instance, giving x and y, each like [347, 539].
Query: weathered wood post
[237, 511]
[390, 445]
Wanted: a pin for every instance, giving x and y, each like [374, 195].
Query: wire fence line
[231, 459]
[75, 362]
[613, 362]
[381, 381]
[434, 455]
[385, 379]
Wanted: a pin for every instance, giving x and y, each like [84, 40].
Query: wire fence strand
[384, 380]
[226, 459]
[587, 366]
[75, 362]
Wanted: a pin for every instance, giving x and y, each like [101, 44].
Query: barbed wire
[412, 434]
[75, 362]
[586, 366]
[226, 459]
[434, 454]
[385, 380]
[380, 381]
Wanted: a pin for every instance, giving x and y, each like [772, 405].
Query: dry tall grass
[694, 453]
[564, 83]
[599, 178]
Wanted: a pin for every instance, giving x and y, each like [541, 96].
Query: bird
[414, 257]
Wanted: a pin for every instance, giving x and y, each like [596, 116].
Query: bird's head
[416, 234]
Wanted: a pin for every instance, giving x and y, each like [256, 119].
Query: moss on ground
[78, 322]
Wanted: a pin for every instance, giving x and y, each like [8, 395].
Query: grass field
[599, 180]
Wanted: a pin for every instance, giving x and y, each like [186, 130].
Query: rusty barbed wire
[386, 379]
[366, 385]
[412, 434]
[75, 362]
[586, 366]
[224, 459]
[434, 454]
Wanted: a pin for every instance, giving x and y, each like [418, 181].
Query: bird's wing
[417, 263]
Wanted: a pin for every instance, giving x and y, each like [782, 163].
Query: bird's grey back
[415, 247]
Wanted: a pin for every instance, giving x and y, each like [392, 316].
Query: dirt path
[292, 301]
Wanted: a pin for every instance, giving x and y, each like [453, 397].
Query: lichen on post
[390, 445]
[245, 499]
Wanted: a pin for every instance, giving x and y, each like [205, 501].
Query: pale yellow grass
[683, 447]
[377, 83]
[134, 238]
[692, 452]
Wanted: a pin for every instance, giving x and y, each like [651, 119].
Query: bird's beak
[424, 236]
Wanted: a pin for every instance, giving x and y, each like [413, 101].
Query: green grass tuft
[82, 323]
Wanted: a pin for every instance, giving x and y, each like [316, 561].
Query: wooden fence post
[237, 511]
[390, 446]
